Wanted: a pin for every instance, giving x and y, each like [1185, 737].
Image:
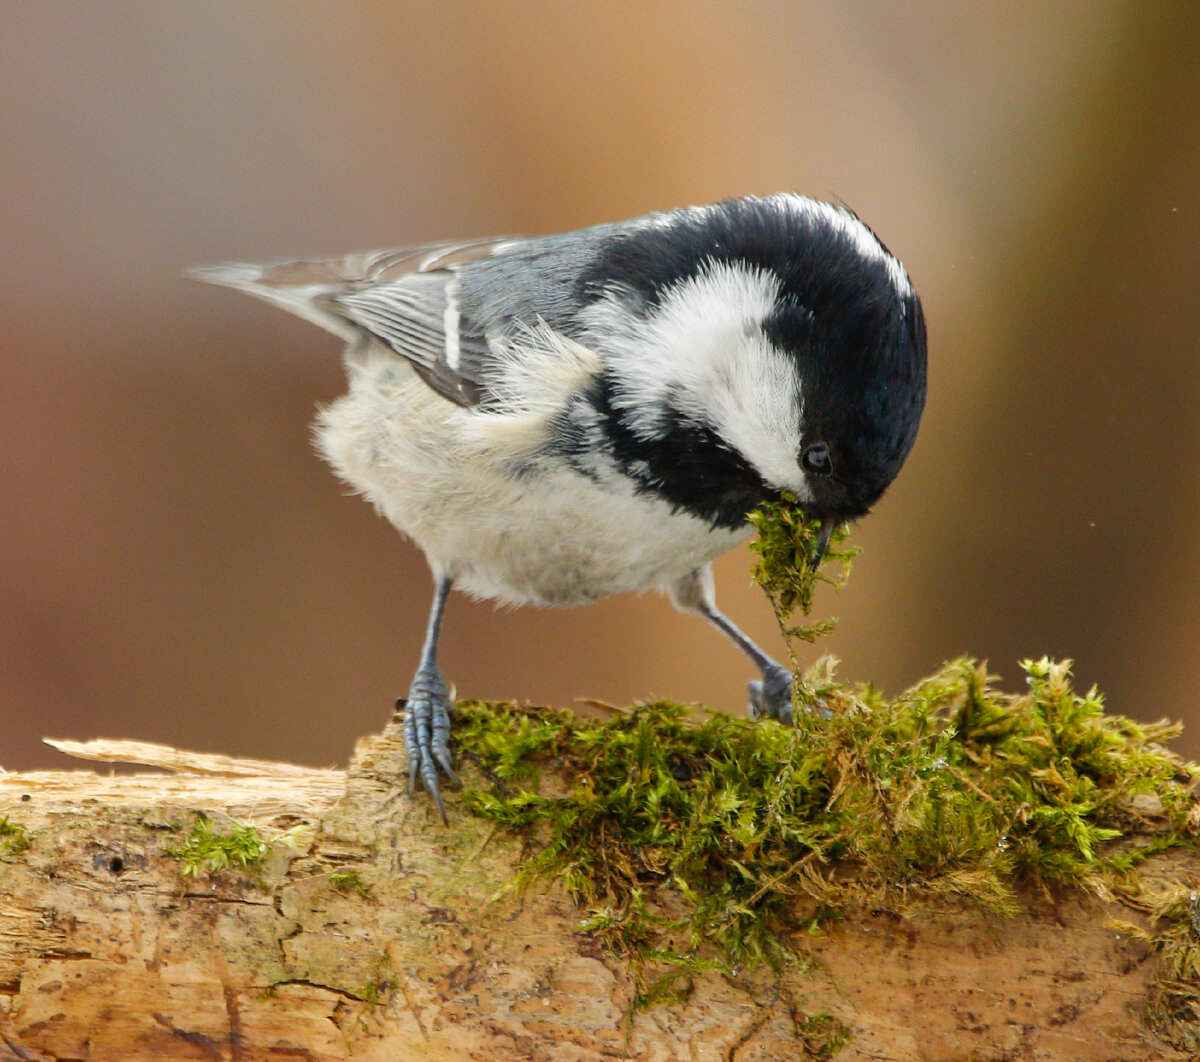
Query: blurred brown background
[176, 565]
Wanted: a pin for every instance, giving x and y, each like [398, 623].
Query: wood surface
[109, 951]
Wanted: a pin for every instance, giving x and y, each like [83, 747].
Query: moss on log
[368, 931]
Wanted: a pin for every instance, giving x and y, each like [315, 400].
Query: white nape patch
[704, 353]
[532, 379]
[865, 241]
[536, 372]
[450, 318]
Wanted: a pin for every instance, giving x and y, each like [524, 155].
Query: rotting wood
[108, 951]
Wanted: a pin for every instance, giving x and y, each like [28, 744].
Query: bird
[555, 419]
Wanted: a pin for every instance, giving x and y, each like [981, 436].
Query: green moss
[696, 840]
[822, 1036]
[205, 851]
[953, 788]
[785, 542]
[372, 993]
[347, 881]
[14, 838]
[379, 987]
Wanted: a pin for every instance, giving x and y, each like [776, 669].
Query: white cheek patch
[704, 353]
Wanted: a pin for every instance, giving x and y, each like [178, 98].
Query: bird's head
[770, 345]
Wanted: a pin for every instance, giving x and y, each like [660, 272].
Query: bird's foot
[427, 734]
[771, 696]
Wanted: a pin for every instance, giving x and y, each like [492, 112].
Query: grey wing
[406, 299]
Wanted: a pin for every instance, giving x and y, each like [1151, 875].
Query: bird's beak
[822, 543]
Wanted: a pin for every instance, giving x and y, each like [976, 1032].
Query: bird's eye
[816, 459]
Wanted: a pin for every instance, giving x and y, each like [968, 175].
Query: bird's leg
[427, 710]
[771, 695]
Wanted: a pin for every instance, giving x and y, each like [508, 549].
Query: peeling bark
[108, 951]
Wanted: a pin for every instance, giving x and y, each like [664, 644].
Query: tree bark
[371, 932]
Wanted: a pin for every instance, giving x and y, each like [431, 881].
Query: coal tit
[560, 418]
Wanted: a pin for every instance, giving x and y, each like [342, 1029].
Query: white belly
[461, 485]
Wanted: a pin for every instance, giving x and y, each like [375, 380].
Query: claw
[427, 736]
[771, 696]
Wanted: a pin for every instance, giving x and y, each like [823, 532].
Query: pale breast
[471, 491]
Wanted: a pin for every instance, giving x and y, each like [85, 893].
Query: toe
[427, 737]
[430, 781]
[411, 746]
[771, 696]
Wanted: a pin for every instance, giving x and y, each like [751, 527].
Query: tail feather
[304, 296]
[309, 289]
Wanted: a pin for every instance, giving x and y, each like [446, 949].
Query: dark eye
[816, 460]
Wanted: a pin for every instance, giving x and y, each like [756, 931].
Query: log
[372, 932]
